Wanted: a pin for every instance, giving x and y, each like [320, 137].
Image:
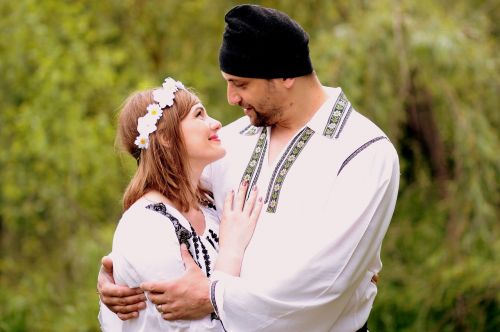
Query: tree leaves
[426, 72]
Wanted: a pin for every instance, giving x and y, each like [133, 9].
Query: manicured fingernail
[245, 183]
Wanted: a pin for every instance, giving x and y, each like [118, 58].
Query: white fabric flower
[170, 84]
[146, 125]
[164, 97]
[142, 141]
[155, 111]
[179, 85]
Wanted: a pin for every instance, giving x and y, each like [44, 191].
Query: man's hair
[163, 166]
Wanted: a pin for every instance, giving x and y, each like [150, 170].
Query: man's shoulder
[358, 127]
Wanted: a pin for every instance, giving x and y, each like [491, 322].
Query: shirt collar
[320, 118]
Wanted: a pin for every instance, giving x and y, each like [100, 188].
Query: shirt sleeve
[354, 220]
[145, 248]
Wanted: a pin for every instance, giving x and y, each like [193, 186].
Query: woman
[168, 131]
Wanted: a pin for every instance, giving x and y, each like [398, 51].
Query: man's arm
[124, 301]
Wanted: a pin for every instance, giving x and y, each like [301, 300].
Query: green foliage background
[426, 71]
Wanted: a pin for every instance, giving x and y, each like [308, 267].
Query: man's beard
[265, 120]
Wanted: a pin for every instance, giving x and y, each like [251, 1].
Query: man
[330, 179]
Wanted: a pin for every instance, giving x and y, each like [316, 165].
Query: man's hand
[124, 301]
[184, 298]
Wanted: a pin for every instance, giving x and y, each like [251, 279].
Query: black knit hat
[263, 42]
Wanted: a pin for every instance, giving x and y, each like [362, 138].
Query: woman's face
[200, 136]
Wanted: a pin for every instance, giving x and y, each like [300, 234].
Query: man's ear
[288, 82]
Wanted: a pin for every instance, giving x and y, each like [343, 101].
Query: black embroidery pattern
[289, 158]
[358, 150]
[337, 111]
[196, 246]
[206, 257]
[211, 242]
[214, 236]
[197, 243]
[183, 235]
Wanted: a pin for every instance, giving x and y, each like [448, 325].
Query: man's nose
[233, 98]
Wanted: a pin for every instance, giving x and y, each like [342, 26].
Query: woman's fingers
[236, 202]
[250, 203]
[228, 203]
[254, 215]
[239, 201]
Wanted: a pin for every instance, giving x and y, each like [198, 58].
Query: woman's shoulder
[145, 246]
[143, 221]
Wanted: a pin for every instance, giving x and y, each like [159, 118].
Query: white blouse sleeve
[146, 248]
[357, 214]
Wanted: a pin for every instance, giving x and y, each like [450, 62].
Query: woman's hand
[236, 229]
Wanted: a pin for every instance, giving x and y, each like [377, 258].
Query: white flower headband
[163, 97]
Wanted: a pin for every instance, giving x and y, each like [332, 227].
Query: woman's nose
[214, 124]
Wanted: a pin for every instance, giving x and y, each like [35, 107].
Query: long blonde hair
[163, 166]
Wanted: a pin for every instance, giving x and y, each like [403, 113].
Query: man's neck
[306, 99]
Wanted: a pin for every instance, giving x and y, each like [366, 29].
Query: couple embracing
[272, 223]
